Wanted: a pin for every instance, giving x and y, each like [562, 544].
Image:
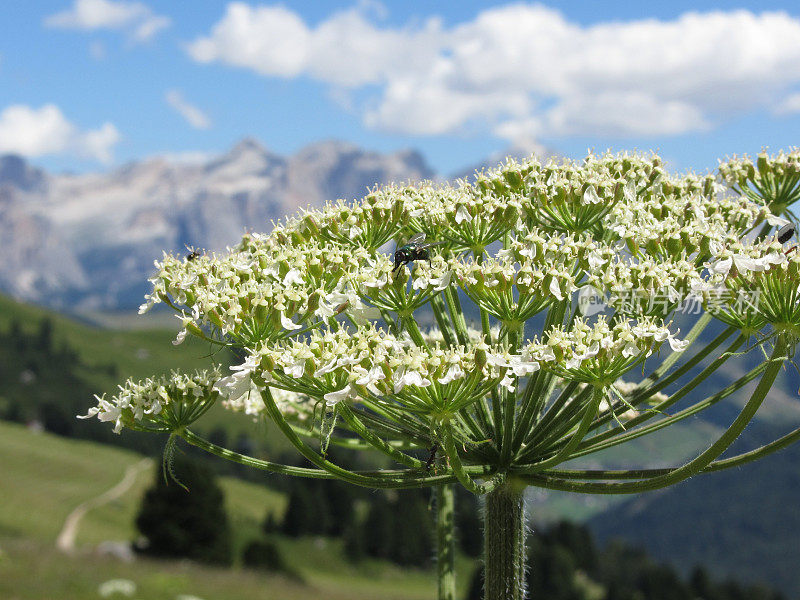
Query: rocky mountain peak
[17, 172]
[107, 228]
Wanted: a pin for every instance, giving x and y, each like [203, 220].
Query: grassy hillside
[135, 352]
[44, 477]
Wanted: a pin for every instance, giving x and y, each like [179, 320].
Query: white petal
[462, 214]
[722, 266]
[293, 276]
[181, 336]
[590, 196]
[443, 282]
[745, 263]
[453, 373]
[630, 350]
[296, 370]
[777, 221]
[555, 290]
[676, 344]
[287, 323]
[346, 392]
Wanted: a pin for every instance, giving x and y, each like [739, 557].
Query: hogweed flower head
[479, 346]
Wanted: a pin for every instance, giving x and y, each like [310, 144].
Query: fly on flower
[785, 233]
[414, 249]
[193, 252]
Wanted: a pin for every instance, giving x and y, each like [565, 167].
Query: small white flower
[348, 391]
[293, 276]
[462, 214]
[368, 378]
[508, 382]
[590, 196]
[555, 289]
[287, 323]
[453, 373]
[404, 377]
[180, 337]
[239, 383]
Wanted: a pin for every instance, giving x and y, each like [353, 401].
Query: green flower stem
[459, 323]
[554, 316]
[508, 401]
[558, 421]
[263, 465]
[411, 326]
[389, 321]
[454, 305]
[692, 467]
[373, 440]
[307, 452]
[445, 542]
[620, 434]
[384, 424]
[590, 412]
[525, 424]
[765, 450]
[344, 442]
[443, 320]
[717, 465]
[459, 470]
[504, 543]
[672, 419]
[672, 399]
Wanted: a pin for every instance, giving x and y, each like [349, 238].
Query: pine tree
[379, 532]
[353, 537]
[413, 542]
[299, 516]
[180, 523]
[264, 555]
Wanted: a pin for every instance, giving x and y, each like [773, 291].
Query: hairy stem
[504, 543]
[445, 542]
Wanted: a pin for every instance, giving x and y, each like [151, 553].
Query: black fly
[413, 249]
[785, 233]
[193, 252]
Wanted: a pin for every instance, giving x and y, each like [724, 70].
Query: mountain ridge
[86, 242]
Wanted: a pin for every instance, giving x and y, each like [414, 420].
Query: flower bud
[763, 164]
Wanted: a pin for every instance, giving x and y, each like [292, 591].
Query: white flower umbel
[644, 286]
[168, 403]
[772, 180]
[534, 272]
[599, 353]
[261, 290]
[369, 364]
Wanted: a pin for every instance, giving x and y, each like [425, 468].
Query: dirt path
[66, 539]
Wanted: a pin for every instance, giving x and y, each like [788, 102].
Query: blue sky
[89, 84]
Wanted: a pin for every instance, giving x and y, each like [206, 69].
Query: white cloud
[193, 115]
[137, 19]
[45, 131]
[525, 70]
[345, 50]
[789, 105]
